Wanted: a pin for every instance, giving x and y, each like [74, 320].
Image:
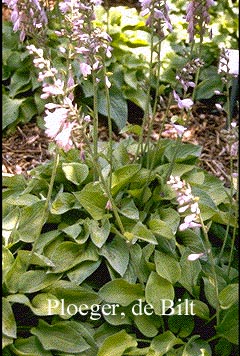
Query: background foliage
[128, 65]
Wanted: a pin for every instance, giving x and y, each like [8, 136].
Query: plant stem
[236, 213]
[212, 264]
[155, 103]
[107, 191]
[177, 146]
[95, 123]
[148, 99]
[110, 142]
[47, 203]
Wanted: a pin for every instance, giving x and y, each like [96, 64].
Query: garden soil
[27, 146]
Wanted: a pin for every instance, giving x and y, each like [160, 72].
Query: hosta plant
[116, 248]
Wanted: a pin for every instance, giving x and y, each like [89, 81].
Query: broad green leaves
[229, 295]
[117, 254]
[119, 110]
[9, 327]
[159, 293]
[64, 336]
[229, 327]
[75, 172]
[73, 254]
[99, 287]
[167, 267]
[93, 200]
[116, 344]
[122, 292]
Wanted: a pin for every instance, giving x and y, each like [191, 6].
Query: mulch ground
[27, 146]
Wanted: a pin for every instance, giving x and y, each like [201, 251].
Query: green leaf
[20, 82]
[116, 344]
[7, 261]
[35, 258]
[138, 97]
[61, 336]
[121, 291]
[73, 255]
[118, 106]
[171, 217]
[35, 280]
[182, 325]
[163, 343]
[16, 182]
[75, 172]
[28, 109]
[99, 232]
[123, 176]
[205, 89]
[210, 291]
[10, 110]
[198, 308]
[191, 272]
[9, 327]
[187, 152]
[72, 231]
[120, 316]
[10, 39]
[31, 222]
[140, 231]
[229, 296]
[197, 347]
[167, 267]
[62, 203]
[14, 274]
[148, 325]
[223, 348]
[117, 254]
[160, 227]
[158, 291]
[206, 205]
[40, 304]
[131, 79]
[93, 199]
[83, 271]
[73, 294]
[22, 200]
[228, 327]
[30, 346]
[129, 209]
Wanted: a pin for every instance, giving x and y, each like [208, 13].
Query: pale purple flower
[63, 139]
[87, 118]
[54, 120]
[180, 129]
[158, 15]
[219, 106]
[108, 205]
[86, 69]
[52, 89]
[229, 62]
[89, 41]
[107, 82]
[188, 204]
[197, 17]
[185, 76]
[195, 256]
[183, 103]
[27, 17]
